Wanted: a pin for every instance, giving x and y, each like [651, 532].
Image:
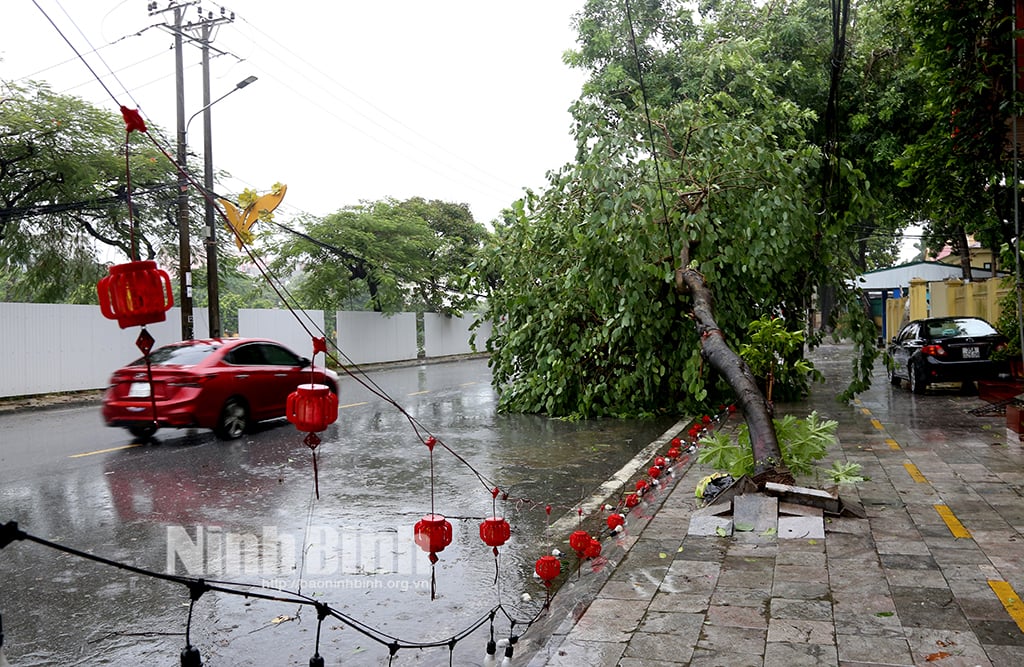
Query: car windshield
[964, 326]
[177, 355]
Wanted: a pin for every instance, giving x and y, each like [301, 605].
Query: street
[245, 511]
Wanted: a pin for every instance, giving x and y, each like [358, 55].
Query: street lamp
[212, 283]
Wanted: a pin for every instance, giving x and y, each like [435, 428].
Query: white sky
[459, 100]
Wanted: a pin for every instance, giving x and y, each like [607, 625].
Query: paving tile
[801, 631]
[944, 647]
[873, 649]
[801, 590]
[651, 646]
[608, 620]
[1000, 633]
[811, 610]
[801, 527]
[679, 602]
[928, 608]
[737, 617]
[733, 640]
[722, 658]
[795, 654]
[756, 510]
[573, 652]
[741, 597]
[720, 526]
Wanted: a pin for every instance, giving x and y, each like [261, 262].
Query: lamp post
[212, 283]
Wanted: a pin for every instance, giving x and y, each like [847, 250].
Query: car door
[251, 378]
[907, 342]
[285, 369]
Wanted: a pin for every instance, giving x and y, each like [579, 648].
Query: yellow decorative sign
[254, 207]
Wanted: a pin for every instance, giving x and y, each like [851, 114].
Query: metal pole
[212, 282]
[184, 247]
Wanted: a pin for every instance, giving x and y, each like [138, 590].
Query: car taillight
[193, 381]
[933, 350]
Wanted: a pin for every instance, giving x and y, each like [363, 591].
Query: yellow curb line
[104, 451]
[952, 522]
[1011, 601]
[915, 474]
[892, 443]
[877, 424]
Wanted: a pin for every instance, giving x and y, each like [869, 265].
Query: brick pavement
[930, 577]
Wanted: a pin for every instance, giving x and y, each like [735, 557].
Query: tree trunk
[768, 464]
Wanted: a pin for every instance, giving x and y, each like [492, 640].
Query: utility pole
[202, 31]
[184, 245]
[207, 26]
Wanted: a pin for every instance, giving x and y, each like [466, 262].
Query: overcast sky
[459, 100]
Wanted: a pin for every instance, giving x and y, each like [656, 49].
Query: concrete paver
[930, 577]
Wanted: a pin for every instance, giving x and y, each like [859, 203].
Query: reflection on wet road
[245, 511]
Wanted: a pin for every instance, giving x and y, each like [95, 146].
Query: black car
[946, 349]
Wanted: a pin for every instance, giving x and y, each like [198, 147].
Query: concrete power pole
[201, 31]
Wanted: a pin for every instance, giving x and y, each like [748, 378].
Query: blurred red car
[222, 384]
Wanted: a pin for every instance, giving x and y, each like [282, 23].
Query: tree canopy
[587, 320]
[385, 256]
[63, 193]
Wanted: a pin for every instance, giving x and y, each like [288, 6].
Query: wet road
[245, 511]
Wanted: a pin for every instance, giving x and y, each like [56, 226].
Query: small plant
[802, 441]
[772, 355]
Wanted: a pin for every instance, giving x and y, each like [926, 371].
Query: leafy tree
[962, 164]
[604, 274]
[63, 194]
[385, 256]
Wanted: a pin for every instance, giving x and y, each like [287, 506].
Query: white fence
[57, 347]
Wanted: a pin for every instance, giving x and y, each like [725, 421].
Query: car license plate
[971, 353]
[139, 390]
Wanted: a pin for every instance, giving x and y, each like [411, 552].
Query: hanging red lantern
[579, 541]
[654, 472]
[632, 500]
[433, 533]
[495, 531]
[312, 407]
[135, 294]
[593, 549]
[615, 520]
[547, 568]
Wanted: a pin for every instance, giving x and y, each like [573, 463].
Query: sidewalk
[931, 576]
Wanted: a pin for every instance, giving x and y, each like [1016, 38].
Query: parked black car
[946, 349]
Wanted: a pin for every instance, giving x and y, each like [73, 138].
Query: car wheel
[233, 420]
[917, 382]
[142, 431]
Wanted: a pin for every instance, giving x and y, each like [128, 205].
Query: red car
[223, 384]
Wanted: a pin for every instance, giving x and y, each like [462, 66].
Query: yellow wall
[952, 297]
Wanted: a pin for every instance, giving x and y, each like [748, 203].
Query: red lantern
[632, 500]
[312, 407]
[547, 568]
[433, 533]
[705, 420]
[136, 293]
[654, 472]
[642, 486]
[495, 531]
[615, 520]
[673, 453]
[593, 549]
[659, 461]
[579, 541]
[675, 443]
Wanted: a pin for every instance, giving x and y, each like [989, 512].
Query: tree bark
[768, 464]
